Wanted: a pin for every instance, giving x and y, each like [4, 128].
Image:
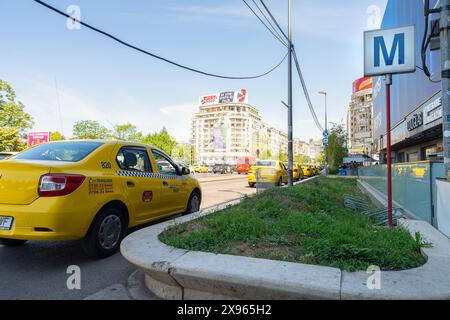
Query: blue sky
[100, 80]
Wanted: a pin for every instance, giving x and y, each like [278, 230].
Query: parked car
[307, 171]
[200, 169]
[267, 171]
[90, 190]
[297, 171]
[222, 169]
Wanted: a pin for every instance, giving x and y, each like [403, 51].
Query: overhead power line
[305, 90]
[154, 55]
[265, 25]
[299, 71]
[273, 19]
[272, 28]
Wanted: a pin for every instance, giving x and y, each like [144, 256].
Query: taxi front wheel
[105, 234]
[12, 242]
[194, 203]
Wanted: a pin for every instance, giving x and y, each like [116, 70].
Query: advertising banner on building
[220, 137]
[362, 84]
[35, 138]
[224, 97]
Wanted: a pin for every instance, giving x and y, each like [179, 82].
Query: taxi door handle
[165, 184]
[130, 184]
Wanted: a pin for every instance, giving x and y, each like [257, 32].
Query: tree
[302, 159]
[161, 140]
[14, 121]
[126, 132]
[337, 148]
[90, 129]
[10, 140]
[283, 156]
[56, 136]
[182, 152]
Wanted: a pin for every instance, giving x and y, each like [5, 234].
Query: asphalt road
[38, 270]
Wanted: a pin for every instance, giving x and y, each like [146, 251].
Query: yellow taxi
[297, 172]
[90, 190]
[200, 169]
[267, 171]
[307, 170]
[316, 170]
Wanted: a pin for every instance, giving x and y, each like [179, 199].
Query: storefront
[416, 102]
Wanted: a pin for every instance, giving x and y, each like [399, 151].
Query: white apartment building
[360, 118]
[301, 148]
[227, 128]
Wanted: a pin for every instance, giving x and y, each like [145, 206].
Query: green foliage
[283, 157]
[337, 148]
[10, 140]
[56, 136]
[161, 140]
[14, 121]
[302, 159]
[89, 129]
[126, 132]
[307, 224]
[182, 152]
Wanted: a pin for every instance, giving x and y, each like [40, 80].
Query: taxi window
[265, 164]
[60, 151]
[164, 164]
[134, 159]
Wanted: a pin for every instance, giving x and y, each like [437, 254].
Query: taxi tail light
[295, 170]
[54, 185]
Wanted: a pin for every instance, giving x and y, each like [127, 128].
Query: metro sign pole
[388, 80]
[401, 58]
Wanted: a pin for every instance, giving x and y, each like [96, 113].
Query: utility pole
[326, 130]
[290, 134]
[445, 67]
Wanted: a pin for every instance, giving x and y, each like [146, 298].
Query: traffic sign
[389, 51]
[326, 134]
[325, 142]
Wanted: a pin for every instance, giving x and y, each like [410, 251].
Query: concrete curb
[180, 274]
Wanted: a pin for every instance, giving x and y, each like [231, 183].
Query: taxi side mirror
[185, 171]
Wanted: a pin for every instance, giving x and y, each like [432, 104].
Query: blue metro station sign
[389, 51]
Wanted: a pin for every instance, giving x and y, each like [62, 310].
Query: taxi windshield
[60, 151]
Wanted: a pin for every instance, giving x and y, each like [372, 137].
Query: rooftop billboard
[408, 91]
[362, 84]
[224, 97]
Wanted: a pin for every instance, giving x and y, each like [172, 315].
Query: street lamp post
[326, 130]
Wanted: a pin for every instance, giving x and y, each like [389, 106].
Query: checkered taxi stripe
[141, 174]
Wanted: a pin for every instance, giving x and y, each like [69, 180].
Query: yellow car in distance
[297, 172]
[90, 190]
[200, 169]
[307, 171]
[267, 172]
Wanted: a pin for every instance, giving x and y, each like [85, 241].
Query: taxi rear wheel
[280, 182]
[106, 233]
[12, 242]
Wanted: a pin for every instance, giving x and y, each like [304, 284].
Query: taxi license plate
[6, 223]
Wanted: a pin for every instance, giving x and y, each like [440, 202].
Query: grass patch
[306, 224]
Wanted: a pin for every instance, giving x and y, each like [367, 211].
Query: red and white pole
[388, 81]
